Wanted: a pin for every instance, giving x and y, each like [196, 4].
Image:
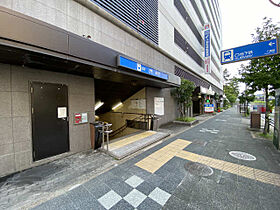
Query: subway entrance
[122, 105]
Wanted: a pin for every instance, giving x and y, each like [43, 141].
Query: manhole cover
[198, 169]
[242, 155]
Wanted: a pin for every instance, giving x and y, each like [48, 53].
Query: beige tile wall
[15, 117]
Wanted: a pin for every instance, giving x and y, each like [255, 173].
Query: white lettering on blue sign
[250, 51]
[133, 65]
[207, 48]
[139, 67]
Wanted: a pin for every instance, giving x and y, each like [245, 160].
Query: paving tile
[122, 205]
[139, 172]
[155, 180]
[168, 186]
[135, 198]
[121, 188]
[109, 199]
[148, 203]
[61, 202]
[146, 188]
[121, 172]
[159, 195]
[134, 181]
[162, 172]
[83, 199]
[97, 190]
[113, 180]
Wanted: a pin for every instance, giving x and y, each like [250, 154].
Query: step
[149, 137]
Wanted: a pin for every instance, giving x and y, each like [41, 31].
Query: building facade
[60, 59]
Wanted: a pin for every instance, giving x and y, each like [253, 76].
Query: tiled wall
[15, 114]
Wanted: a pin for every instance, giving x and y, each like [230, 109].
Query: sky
[240, 18]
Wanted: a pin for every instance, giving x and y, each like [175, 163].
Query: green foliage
[271, 104]
[268, 136]
[231, 90]
[259, 102]
[183, 95]
[186, 119]
[263, 73]
[246, 97]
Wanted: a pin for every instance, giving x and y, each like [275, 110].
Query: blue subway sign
[260, 49]
[133, 65]
[207, 43]
[207, 48]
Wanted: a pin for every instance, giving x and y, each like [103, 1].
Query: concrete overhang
[31, 42]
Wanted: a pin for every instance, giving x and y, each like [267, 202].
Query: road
[192, 170]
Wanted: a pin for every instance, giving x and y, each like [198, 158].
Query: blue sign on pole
[207, 43]
[133, 65]
[250, 51]
[207, 48]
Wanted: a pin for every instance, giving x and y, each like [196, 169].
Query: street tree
[231, 90]
[263, 73]
[245, 98]
[183, 95]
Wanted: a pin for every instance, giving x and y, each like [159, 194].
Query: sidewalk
[51, 179]
[44, 182]
[190, 170]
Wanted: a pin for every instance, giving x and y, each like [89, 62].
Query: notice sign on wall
[80, 118]
[208, 108]
[159, 105]
[138, 104]
[61, 112]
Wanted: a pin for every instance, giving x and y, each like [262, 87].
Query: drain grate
[198, 169]
[242, 155]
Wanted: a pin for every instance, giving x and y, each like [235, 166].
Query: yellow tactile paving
[175, 149]
[131, 139]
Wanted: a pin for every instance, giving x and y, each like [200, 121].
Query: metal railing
[143, 121]
[270, 121]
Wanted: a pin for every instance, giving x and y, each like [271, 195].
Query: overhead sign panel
[133, 65]
[207, 48]
[260, 49]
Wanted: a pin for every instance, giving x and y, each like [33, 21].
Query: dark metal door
[50, 128]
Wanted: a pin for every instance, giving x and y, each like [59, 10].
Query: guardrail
[271, 121]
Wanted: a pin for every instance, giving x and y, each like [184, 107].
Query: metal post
[107, 141]
[107, 131]
[103, 136]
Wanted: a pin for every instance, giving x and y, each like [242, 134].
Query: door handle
[65, 119]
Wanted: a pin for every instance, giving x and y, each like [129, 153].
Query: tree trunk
[180, 110]
[266, 124]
